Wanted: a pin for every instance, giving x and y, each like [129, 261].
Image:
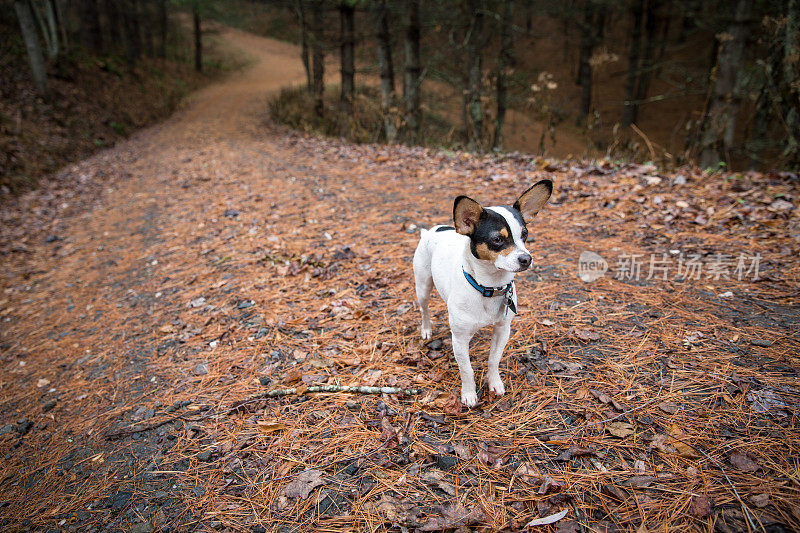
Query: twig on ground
[336, 388]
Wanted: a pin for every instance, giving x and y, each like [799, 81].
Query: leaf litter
[614, 384]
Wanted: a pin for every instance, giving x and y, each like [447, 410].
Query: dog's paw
[496, 385]
[425, 332]
[469, 398]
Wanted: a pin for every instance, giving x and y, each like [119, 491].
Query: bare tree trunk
[318, 56]
[163, 26]
[113, 22]
[198, 37]
[646, 72]
[147, 25]
[62, 22]
[592, 30]
[474, 61]
[412, 80]
[91, 36]
[48, 30]
[662, 41]
[26, 24]
[631, 109]
[505, 61]
[50, 15]
[130, 22]
[719, 123]
[348, 69]
[387, 70]
[301, 15]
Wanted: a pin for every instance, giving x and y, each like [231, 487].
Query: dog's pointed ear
[534, 199]
[466, 214]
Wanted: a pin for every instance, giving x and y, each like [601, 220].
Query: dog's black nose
[525, 261]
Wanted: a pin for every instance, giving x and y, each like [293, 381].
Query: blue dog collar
[488, 292]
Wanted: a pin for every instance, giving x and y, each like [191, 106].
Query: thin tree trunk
[662, 42]
[505, 61]
[62, 22]
[592, 31]
[198, 37]
[113, 22]
[163, 26]
[318, 56]
[474, 61]
[91, 36]
[631, 109]
[301, 15]
[719, 124]
[130, 21]
[52, 52]
[646, 72]
[387, 70]
[147, 20]
[411, 80]
[26, 24]
[346, 16]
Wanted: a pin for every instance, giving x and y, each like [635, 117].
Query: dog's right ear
[466, 214]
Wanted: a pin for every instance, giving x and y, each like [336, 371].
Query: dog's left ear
[466, 215]
[534, 199]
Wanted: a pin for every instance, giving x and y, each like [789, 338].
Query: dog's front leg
[461, 338]
[500, 334]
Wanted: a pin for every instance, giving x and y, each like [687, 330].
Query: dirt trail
[225, 256]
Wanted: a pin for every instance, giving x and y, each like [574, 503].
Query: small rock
[201, 369]
[150, 413]
[205, 456]
[435, 344]
[764, 343]
[265, 380]
[197, 302]
[244, 304]
[52, 238]
[120, 500]
[381, 406]
[781, 205]
[230, 213]
[160, 496]
[216, 524]
[352, 405]
[199, 491]
[8, 428]
[680, 179]
[24, 426]
[446, 462]
[258, 529]
[142, 527]
[48, 405]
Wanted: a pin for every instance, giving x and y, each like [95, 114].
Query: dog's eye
[497, 239]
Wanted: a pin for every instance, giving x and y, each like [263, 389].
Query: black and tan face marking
[498, 234]
[492, 237]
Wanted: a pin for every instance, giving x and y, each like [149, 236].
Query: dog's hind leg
[424, 284]
[423, 281]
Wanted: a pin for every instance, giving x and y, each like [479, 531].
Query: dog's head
[498, 234]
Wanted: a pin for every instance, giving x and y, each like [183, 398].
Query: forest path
[215, 255]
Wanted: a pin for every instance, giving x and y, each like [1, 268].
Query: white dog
[473, 267]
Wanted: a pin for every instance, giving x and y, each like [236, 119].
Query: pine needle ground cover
[153, 294]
